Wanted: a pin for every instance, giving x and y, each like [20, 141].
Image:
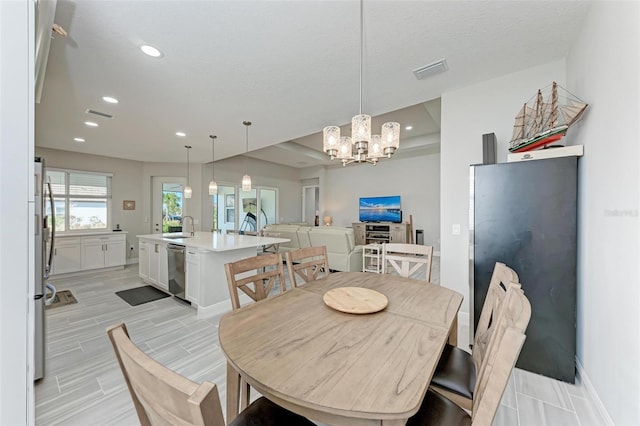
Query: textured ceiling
[290, 67]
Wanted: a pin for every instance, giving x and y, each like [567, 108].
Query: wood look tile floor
[83, 384]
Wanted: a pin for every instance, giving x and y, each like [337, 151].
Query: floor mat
[139, 295]
[63, 297]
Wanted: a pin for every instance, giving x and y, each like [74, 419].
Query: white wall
[415, 179]
[467, 114]
[263, 174]
[602, 68]
[16, 209]
[192, 206]
[126, 184]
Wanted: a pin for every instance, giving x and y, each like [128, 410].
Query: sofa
[343, 253]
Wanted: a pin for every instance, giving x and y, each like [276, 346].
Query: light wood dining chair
[456, 373]
[407, 259]
[163, 397]
[262, 272]
[308, 263]
[497, 365]
[267, 271]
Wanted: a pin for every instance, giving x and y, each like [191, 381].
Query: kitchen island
[205, 255]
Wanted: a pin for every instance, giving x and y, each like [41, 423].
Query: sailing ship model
[544, 120]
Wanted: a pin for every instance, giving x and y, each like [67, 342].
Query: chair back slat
[407, 259]
[307, 263]
[502, 354]
[502, 278]
[160, 395]
[262, 272]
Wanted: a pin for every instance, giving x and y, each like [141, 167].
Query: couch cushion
[337, 241]
[284, 231]
[303, 236]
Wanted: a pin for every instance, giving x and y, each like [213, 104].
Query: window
[82, 200]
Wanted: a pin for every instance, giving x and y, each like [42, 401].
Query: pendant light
[246, 179]
[213, 186]
[361, 146]
[187, 189]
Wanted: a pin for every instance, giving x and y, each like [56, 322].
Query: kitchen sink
[175, 237]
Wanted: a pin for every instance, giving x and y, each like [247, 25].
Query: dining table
[338, 367]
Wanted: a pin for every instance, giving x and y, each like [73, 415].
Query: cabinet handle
[55, 251]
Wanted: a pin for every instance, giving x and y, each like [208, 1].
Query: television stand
[380, 233]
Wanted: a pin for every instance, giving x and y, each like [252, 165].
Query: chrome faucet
[192, 228]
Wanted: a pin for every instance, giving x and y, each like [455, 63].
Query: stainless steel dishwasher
[176, 269]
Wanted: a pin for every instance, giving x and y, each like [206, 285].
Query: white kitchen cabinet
[193, 275]
[66, 255]
[102, 251]
[88, 251]
[143, 259]
[163, 267]
[115, 252]
[158, 266]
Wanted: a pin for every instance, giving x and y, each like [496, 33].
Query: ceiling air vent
[101, 114]
[431, 69]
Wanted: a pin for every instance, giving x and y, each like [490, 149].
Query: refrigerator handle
[47, 269]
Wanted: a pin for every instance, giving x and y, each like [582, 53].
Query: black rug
[139, 295]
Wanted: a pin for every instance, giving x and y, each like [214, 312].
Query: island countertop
[213, 241]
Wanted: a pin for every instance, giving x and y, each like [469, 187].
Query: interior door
[310, 203]
[168, 204]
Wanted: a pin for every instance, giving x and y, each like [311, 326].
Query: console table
[380, 232]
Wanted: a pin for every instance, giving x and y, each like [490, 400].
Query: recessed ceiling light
[78, 139]
[151, 51]
[110, 100]
[91, 124]
[408, 128]
[181, 134]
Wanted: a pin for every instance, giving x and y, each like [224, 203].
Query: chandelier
[361, 146]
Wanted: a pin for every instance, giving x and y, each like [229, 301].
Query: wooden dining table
[335, 367]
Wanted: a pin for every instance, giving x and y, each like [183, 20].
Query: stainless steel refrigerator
[524, 214]
[44, 246]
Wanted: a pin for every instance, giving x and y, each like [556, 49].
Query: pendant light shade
[246, 179]
[246, 183]
[213, 186]
[187, 189]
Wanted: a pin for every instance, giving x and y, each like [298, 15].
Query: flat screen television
[380, 209]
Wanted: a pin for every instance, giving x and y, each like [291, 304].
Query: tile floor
[83, 384]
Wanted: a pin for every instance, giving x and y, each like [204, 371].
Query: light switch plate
[455, 229]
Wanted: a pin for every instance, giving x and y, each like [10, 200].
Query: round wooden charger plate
[355, 300]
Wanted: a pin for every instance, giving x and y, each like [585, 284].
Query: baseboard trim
[593, 395]
[133, 261]
[84, 272]
[221, 307]
[215, 309]
[463, 318]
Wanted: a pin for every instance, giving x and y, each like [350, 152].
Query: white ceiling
[290, 67]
